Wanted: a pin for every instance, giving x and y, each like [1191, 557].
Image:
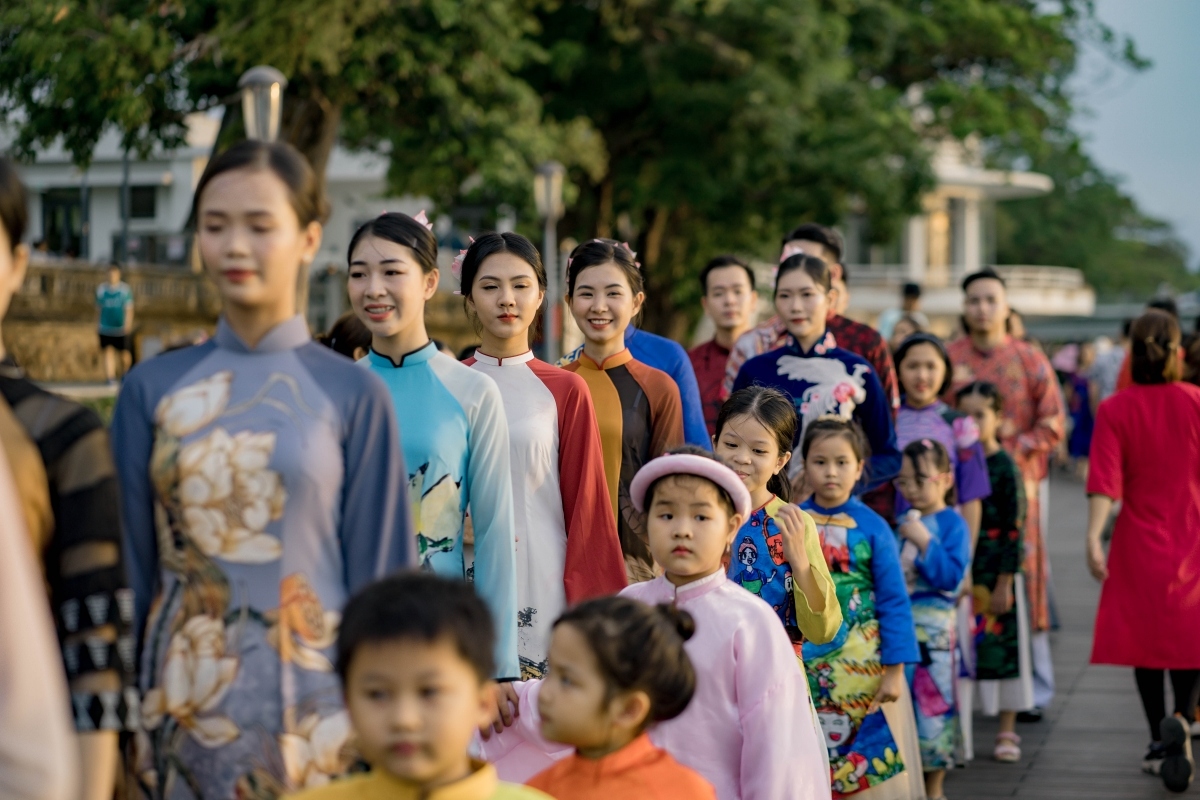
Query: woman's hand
[1002, 597]
[1096, 560]
[507, 709]
[790, 520]
[890, 687]
[1099, 507]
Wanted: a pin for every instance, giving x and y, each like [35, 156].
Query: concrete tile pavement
[1091, 741]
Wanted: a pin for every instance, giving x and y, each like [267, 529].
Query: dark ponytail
[1154, 348]
[639, 648]
[774, 411]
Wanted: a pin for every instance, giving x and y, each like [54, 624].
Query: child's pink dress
[750, 729]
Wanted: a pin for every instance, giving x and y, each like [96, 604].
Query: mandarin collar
[832, 512]
[512, 361]
[616, 360]
[821, 348]
[632, 755]
[481, 784]
[287, 335]
[684, 594]
[421, 355]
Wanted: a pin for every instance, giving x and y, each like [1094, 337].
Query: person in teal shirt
[115, 301]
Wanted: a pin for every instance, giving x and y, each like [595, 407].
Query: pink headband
[686, 464]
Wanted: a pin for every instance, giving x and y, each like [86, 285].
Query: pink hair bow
[457, 264]
[424, 220]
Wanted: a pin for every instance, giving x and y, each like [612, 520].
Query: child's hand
[1002, 598]
[890, 687]
[915, 531]
[790, 520]
[507, 710]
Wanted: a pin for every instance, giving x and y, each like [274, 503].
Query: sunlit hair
[400, 229]
[280, 159]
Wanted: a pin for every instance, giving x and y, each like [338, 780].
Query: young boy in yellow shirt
[414, 653]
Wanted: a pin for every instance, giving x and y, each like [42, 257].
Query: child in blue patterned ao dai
[857, 680]
[935, 551]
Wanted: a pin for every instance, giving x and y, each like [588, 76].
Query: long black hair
[596, 252]
[774, 411]
[284, 162]
[14, 205]
[639, 648]
[816, 268]
[400, 229]
[489, 244]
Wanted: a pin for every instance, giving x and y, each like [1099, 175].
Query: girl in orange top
[617, 666]
[638, 408]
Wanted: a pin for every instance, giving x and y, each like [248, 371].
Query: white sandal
[1008, 748]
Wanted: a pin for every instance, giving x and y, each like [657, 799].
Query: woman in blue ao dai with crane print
[452, 423]
[821, 378]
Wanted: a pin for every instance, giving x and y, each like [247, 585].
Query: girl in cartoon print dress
[864, 707]
[258, 475]
[778, 552]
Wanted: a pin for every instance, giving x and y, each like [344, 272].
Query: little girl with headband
[749, 729]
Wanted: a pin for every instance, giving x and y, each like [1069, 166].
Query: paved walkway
[1091, 742]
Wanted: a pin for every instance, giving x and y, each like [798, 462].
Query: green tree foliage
[689, 127]
[430, 81]
[727, 122]
[1087, 222]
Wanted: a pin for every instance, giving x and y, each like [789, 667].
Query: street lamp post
[262, 102]
[548, 195]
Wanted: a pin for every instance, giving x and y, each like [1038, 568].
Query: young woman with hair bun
[259, 476]
[452, 422]
[567, 547]
[637, 407]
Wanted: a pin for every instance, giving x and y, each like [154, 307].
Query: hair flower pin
[424, 220]
[928, 445]
[457, 264]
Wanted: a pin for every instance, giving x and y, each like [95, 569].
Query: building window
[142, 201]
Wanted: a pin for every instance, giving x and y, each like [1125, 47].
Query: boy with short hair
[415, 655]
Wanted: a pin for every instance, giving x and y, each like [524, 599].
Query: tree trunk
[658, 308]
[604, 210]
[312, 126]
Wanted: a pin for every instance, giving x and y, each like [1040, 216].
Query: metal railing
[1017, 276]
[67, 290]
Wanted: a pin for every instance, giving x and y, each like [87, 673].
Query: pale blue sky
[1145, 127]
